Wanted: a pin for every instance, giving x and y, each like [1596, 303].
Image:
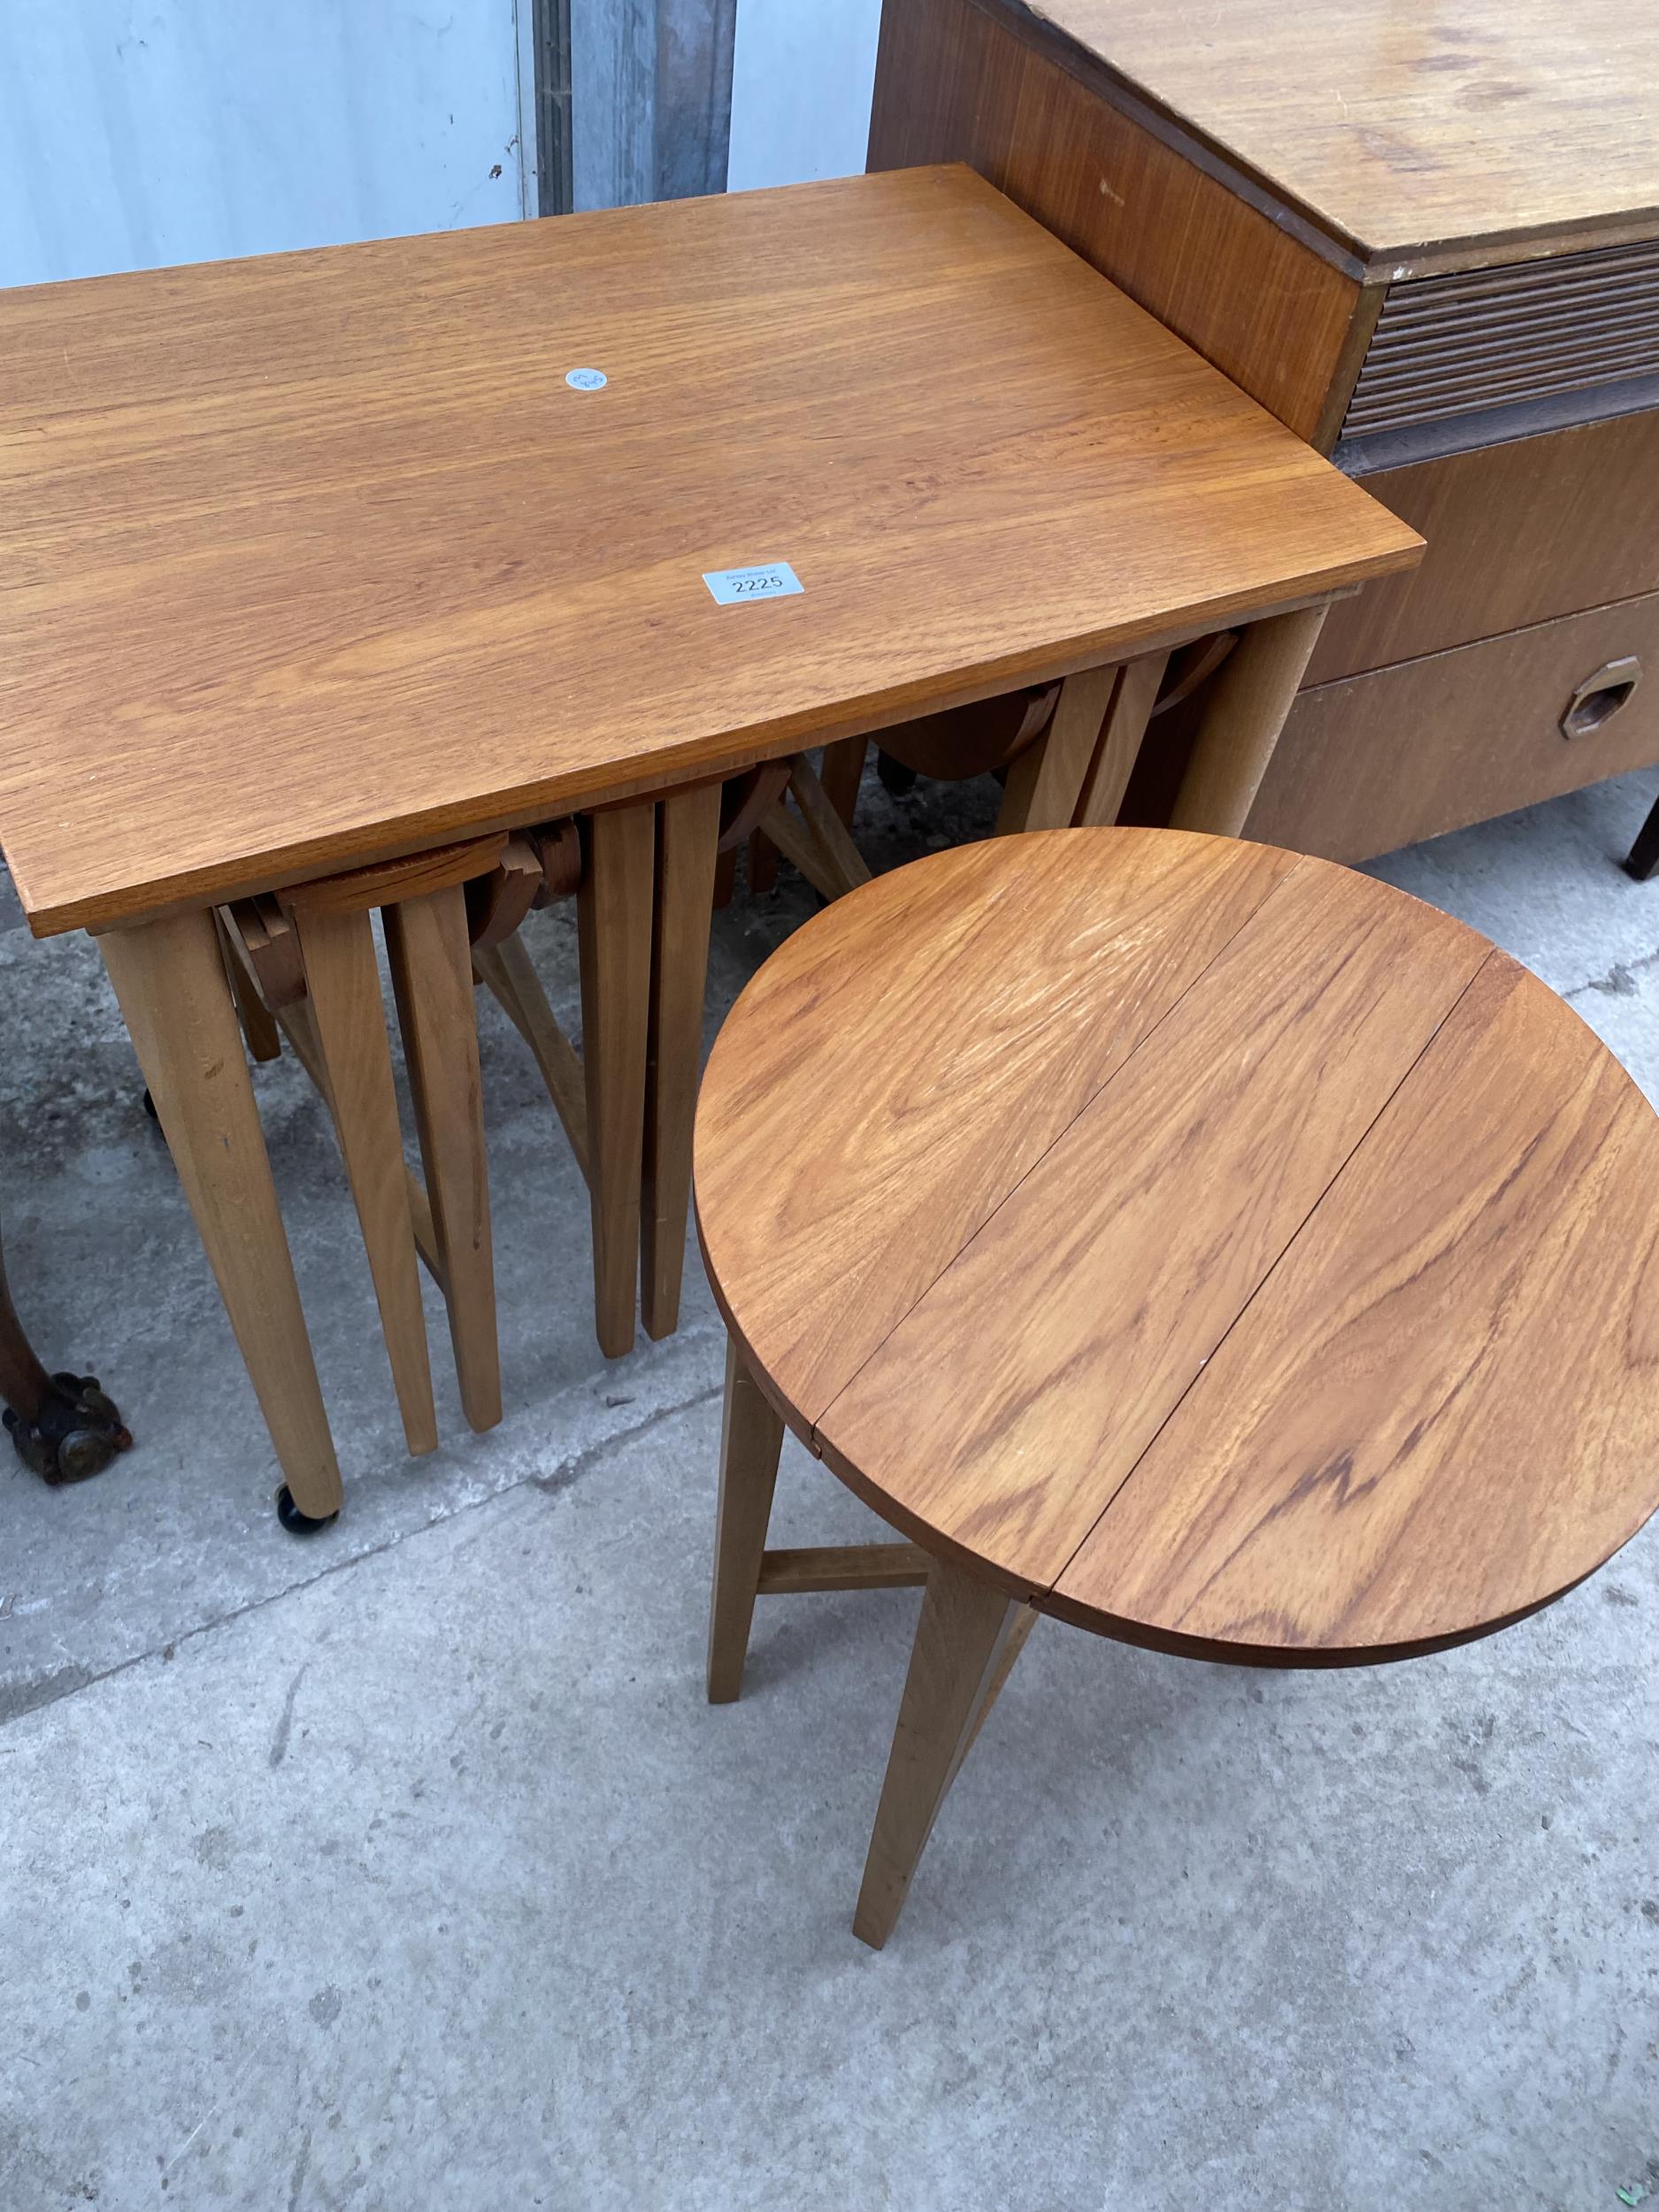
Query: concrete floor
[407, 1867]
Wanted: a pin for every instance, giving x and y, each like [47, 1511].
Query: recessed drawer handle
[1599, 697]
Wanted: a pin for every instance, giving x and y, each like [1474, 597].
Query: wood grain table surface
[1403, 123]
[318, 557]
[1216, 1247]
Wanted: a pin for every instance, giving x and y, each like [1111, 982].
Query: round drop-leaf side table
[1203, 1244]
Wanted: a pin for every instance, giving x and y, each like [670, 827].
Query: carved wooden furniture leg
[614, 909]
[957, 1670]
[688, 833]
[1133, 697]
[1045, 780]
[1248, 703]
[343, 986]
[64, 1427]
[170, 979]
[432, 979]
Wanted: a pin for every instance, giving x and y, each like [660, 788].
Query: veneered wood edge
[1313, 227]
[988, 117]
[586, 790]
[1497, 249]
[1309, 226]
[1144, 1637]
[1280, 1658]
[1368, 306]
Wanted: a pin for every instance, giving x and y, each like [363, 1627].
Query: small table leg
[687, 832]
[170, 979]
[1047, 779]
[614, 918]
[432, 981]
[958, 1665]
[1247, 705]
[342, 985]
[751, 1441]
[1122, 734]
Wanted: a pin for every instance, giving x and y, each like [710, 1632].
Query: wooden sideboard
[1428, 241]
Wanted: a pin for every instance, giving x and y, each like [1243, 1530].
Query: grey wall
[135, 132]
[801, 90]
[652, 98]
[659, 84]
[142, 132]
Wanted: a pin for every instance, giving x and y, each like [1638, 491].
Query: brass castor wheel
[79, 1432]
[298, 1523]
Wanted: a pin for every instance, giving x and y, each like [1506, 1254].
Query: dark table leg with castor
[64, 1427]
[1643, 856]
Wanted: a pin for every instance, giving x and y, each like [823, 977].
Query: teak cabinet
[1429, 243]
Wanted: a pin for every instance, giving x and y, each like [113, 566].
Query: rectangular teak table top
[316, 557]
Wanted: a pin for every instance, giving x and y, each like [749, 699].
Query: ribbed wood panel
[1453, 345]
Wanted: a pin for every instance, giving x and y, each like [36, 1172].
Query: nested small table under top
[325, 557]
[1205, 1245]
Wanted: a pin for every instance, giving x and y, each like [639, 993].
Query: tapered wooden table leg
[1045, 780]
[1247, 705]
[842, 775]
[955, 1669]
[510, 975]
[432, 977]
[687, 832]
[343, 986]
[614, 916]
[259, 1025]
[1133, 698]
[170, 979]
[751, 1439]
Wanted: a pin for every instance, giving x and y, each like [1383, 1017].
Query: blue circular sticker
[586, 380]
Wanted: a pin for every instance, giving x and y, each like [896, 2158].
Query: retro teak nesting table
[344, 580]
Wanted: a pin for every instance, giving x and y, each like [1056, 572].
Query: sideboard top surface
[1402, 125]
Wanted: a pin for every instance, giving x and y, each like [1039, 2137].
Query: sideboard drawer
[1517, 533]
[1380, 760]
